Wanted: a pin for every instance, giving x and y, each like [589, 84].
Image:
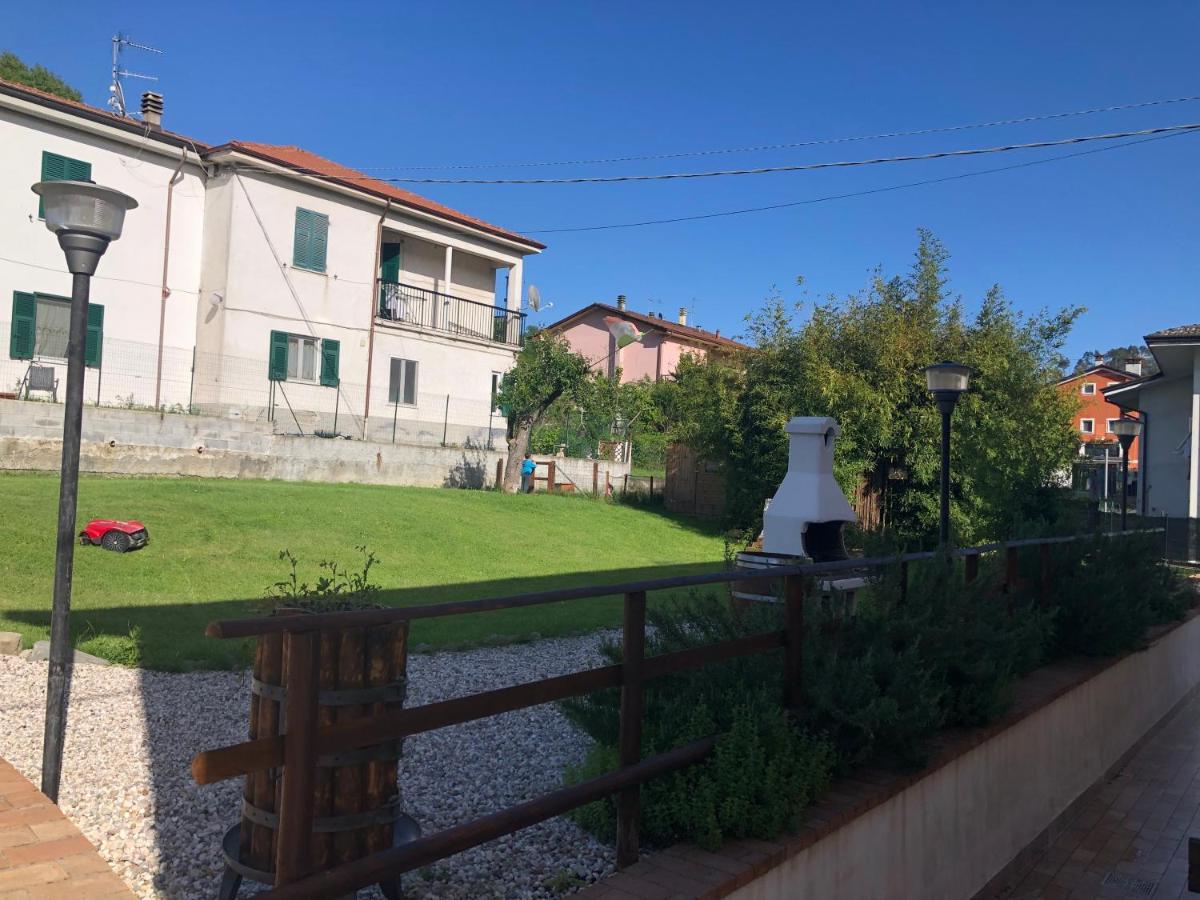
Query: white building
[1169, 403]
[258, 281]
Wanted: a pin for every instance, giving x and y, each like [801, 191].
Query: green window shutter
[389, 262]
[62, 168]
[93, 348]
[310, 240]
[24, 314]
[330, 351]
[277, 359]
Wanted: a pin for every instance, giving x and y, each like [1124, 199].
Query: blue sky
[396, 84]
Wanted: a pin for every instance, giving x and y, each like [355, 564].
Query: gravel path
[131, 735]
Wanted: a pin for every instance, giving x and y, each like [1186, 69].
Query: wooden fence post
[1012, 570]
[793, 667]
[550, 476]
[633, 652]
[297, 801]
[595, 477]
[1046, 566]
[903, 582]
[499, 474]
[971, 568]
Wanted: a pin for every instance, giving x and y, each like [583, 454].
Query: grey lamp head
[947, 377]
[1126, 429]
[85, 216]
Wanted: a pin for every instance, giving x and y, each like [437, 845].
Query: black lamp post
[1126, 430]
[86, 218]
[946, 381]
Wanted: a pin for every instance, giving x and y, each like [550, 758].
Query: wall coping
[684, 870]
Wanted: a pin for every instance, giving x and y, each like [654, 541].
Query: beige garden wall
[951, 832]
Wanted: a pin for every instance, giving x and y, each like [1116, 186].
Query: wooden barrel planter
[362, 671]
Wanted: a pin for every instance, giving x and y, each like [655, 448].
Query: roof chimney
[1133, 365]
[152, 109]
[683, 315]
[620, 301]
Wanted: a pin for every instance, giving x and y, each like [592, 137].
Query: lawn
[214, 550]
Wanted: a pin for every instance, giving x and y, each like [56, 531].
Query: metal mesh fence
[236, 387]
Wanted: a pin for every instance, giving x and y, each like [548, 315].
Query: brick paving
[1128, 835]
[42, 855]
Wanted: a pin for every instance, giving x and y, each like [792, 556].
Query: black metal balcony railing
[450, 315]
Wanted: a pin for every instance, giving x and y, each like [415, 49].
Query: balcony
[446, 314]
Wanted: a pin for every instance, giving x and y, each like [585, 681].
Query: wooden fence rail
[306, 739]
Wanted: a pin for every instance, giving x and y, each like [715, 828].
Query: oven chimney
[152, 110]
[683, 315]
[621, 302]
[1133, 365]
[808, 512]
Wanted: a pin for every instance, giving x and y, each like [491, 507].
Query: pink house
[655, 355]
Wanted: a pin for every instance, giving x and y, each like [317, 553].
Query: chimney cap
[152, 108]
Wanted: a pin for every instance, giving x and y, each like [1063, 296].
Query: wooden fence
[305, 739]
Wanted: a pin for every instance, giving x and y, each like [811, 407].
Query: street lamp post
[946, 381]
[86, 218]
[1126, 429]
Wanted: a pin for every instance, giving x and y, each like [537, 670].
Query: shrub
[335, 589]
[763, 771]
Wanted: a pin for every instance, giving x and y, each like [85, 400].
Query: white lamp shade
[1126, 427]
[80, 206]
[947, 377]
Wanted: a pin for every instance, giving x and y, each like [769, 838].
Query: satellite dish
[535, 298]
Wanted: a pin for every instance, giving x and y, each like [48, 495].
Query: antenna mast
[116, 90]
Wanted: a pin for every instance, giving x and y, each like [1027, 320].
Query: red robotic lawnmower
[113, 535]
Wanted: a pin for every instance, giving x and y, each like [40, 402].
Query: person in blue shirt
[528, 467]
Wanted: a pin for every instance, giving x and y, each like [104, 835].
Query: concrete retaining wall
[134, 442]
[949, 833]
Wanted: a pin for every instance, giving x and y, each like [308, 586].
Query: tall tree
[13, 69]
[861, 360]
[547, 369]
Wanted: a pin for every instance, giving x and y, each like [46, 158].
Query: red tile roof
[309, 163]
[686, 332]
[292, 157]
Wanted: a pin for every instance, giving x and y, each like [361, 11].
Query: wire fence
[191, 382]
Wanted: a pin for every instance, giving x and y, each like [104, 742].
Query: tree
[547, 369]
[861, 360]
[1115, 358]
[13, 69]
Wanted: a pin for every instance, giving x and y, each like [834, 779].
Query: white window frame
[1091, 426]
[297, 342]
[49, 299]
[1108, 425]
[1083, 389]
[401, 385]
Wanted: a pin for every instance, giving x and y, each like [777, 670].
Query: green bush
[764, 770]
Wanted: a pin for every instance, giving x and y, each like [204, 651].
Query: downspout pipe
[176, 177]
[374, 312]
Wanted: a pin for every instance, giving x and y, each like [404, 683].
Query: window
[1088, 388]
[311, 240]
[41, 324]
[1108, 424]
[497, 377]
[294, 357]
[402, 386]
[62, 168]
[1087, 426]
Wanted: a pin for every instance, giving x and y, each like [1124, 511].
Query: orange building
[1100, 454]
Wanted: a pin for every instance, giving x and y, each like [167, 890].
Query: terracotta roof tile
[699, 335]
[1179, 331]
[310, 163]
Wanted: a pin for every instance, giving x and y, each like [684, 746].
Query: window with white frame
[53, 324]
[1087, 426]
[402, 386]
[497, 377]
[1088, 388]
[1108, 424]
[302, 358]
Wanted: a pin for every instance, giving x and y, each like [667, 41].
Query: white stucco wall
[128, 281]
[1166, 454]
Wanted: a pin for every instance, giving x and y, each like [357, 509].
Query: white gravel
[131, 736]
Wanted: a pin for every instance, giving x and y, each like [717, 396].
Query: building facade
[1168, 403]
[259, 281]
[660, 343]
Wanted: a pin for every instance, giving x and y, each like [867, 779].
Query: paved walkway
[1129, 837]
[42, 855]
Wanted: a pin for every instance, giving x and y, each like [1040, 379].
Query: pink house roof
[685, 333]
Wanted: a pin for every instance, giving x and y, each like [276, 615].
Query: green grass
[214, 547]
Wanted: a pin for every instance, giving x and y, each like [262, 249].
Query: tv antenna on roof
[116, 90]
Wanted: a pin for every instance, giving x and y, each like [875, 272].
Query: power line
[790, 146]
[766, 169]
[864, 193]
